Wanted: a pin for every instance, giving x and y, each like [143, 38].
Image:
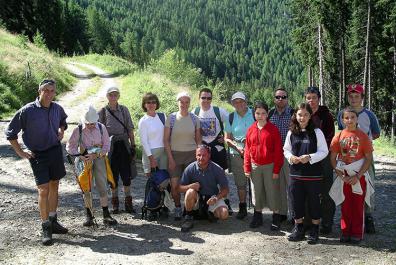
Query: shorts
[120, 161]
[236, 164]
[210, 208]
[159, 155]
[48, 165]
[182, 160]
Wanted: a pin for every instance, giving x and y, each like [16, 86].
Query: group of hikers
[288, 157]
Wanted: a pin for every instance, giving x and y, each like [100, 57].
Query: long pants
[266, 190]
[285, 204]
[352, 211]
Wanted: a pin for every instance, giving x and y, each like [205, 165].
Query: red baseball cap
[357, 88]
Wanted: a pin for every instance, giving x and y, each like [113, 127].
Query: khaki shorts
[159, 155]
[182, 160]
[265, 190]
[236, 164]
[211, 208]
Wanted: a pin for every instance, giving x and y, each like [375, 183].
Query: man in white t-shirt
[212, 120]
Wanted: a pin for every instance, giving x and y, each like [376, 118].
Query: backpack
[217, 113]
[172, 118]
[161, 116]
[231, 117]
[154, 193]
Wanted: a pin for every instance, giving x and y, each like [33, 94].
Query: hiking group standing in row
[287, 155]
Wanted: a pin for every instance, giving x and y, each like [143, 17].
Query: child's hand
[354, 180]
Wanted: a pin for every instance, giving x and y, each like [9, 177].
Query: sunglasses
[207, 98]
[281, 97]
[151, 102]
[47, 81]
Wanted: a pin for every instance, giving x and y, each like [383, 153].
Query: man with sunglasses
[42, 123]
[281, 115]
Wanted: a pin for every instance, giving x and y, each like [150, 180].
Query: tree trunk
[394, 98]
[320, 50]
[341, 91]
[366, 57]
[369, 83]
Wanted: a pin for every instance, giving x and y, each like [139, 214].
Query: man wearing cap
[238, 123]
[323, 120]
[91, 142]
[119, 125]
[280, 116]
[182, 134]
[42, 123]
[368, 123]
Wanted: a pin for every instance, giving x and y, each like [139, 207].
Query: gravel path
[136, 241]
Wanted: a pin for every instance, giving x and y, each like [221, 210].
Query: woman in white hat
[182, 134]
[91, 141]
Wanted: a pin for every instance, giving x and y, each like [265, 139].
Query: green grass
[384, 146]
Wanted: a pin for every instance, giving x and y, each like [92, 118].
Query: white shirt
[210, 125]
[151, 133]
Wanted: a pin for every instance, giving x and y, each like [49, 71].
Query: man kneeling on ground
[200, 182]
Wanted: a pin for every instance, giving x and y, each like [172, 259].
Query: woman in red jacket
[262, 163]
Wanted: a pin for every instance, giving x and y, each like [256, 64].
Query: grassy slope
[16, 88]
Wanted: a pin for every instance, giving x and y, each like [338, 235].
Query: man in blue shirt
[235, 134]
[205, 186]
[42, 123]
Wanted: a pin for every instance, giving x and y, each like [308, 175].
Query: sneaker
[369, 226]
[257, 220]
[230, 211]
[178, 213]
[355, 240]
[188, 223]
[47, 233]
[326, 229]
[313, 236]
[297, 234]
[276, 222]
[57, 228]
[242, 211]
[345, 239]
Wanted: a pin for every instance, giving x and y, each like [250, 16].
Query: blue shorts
[48, 165]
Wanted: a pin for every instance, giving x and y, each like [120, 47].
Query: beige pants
[237, 171]
[159, 155]
[265, 189]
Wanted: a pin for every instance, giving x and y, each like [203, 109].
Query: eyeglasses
[151, 102]
[207, 98]
[47, 82]
[281, 97]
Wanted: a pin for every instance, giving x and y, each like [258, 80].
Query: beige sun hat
[182, 95]
[238, 95]
[90, 116]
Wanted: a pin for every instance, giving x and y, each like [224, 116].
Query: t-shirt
[367, 122]
[151, 132]
[210, 125]
[239, 128]
[351, 145]
[209, 179]
[183, 132]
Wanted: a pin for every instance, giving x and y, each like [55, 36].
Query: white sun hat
[90, 116]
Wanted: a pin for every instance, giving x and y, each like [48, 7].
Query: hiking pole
[86, 197]
[250, 194]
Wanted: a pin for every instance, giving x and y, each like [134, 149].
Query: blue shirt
[39, 125]
[209, 179]
[239, 128]
[367, 122]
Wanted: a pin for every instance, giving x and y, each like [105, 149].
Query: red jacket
[263, 147]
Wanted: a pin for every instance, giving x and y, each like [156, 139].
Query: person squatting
[289, 157]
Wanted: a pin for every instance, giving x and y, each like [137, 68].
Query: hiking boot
[188, 223]
[128, 205]
[57, 228]
[89, 220]
[153, 216]
[257, 220]
[107, 219]
[242, 211]
[276, 222]
[47, 233]
[283, 217]
[345, 239]
[369, 226]
[326, 229]
[230, 211]
[164, 212]
[313, 236]
[178, 213]
[116, 205]
[355, 240]
[298, 233]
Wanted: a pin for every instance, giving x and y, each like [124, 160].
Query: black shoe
[212, 218]
[326, 229]
[47, 233]
[257, 220]
[369, 226]
[107, 219]
[297, 234]
[57, 228]
[345, 239]
[283, 218]
[242, 211]
[313, 236]
[89, 219]
[164, 212]
[276, 222]
[355, 240]
[153, 216]
[230, 211]
[188, 223]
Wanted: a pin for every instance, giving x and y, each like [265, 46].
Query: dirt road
[135, 241]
